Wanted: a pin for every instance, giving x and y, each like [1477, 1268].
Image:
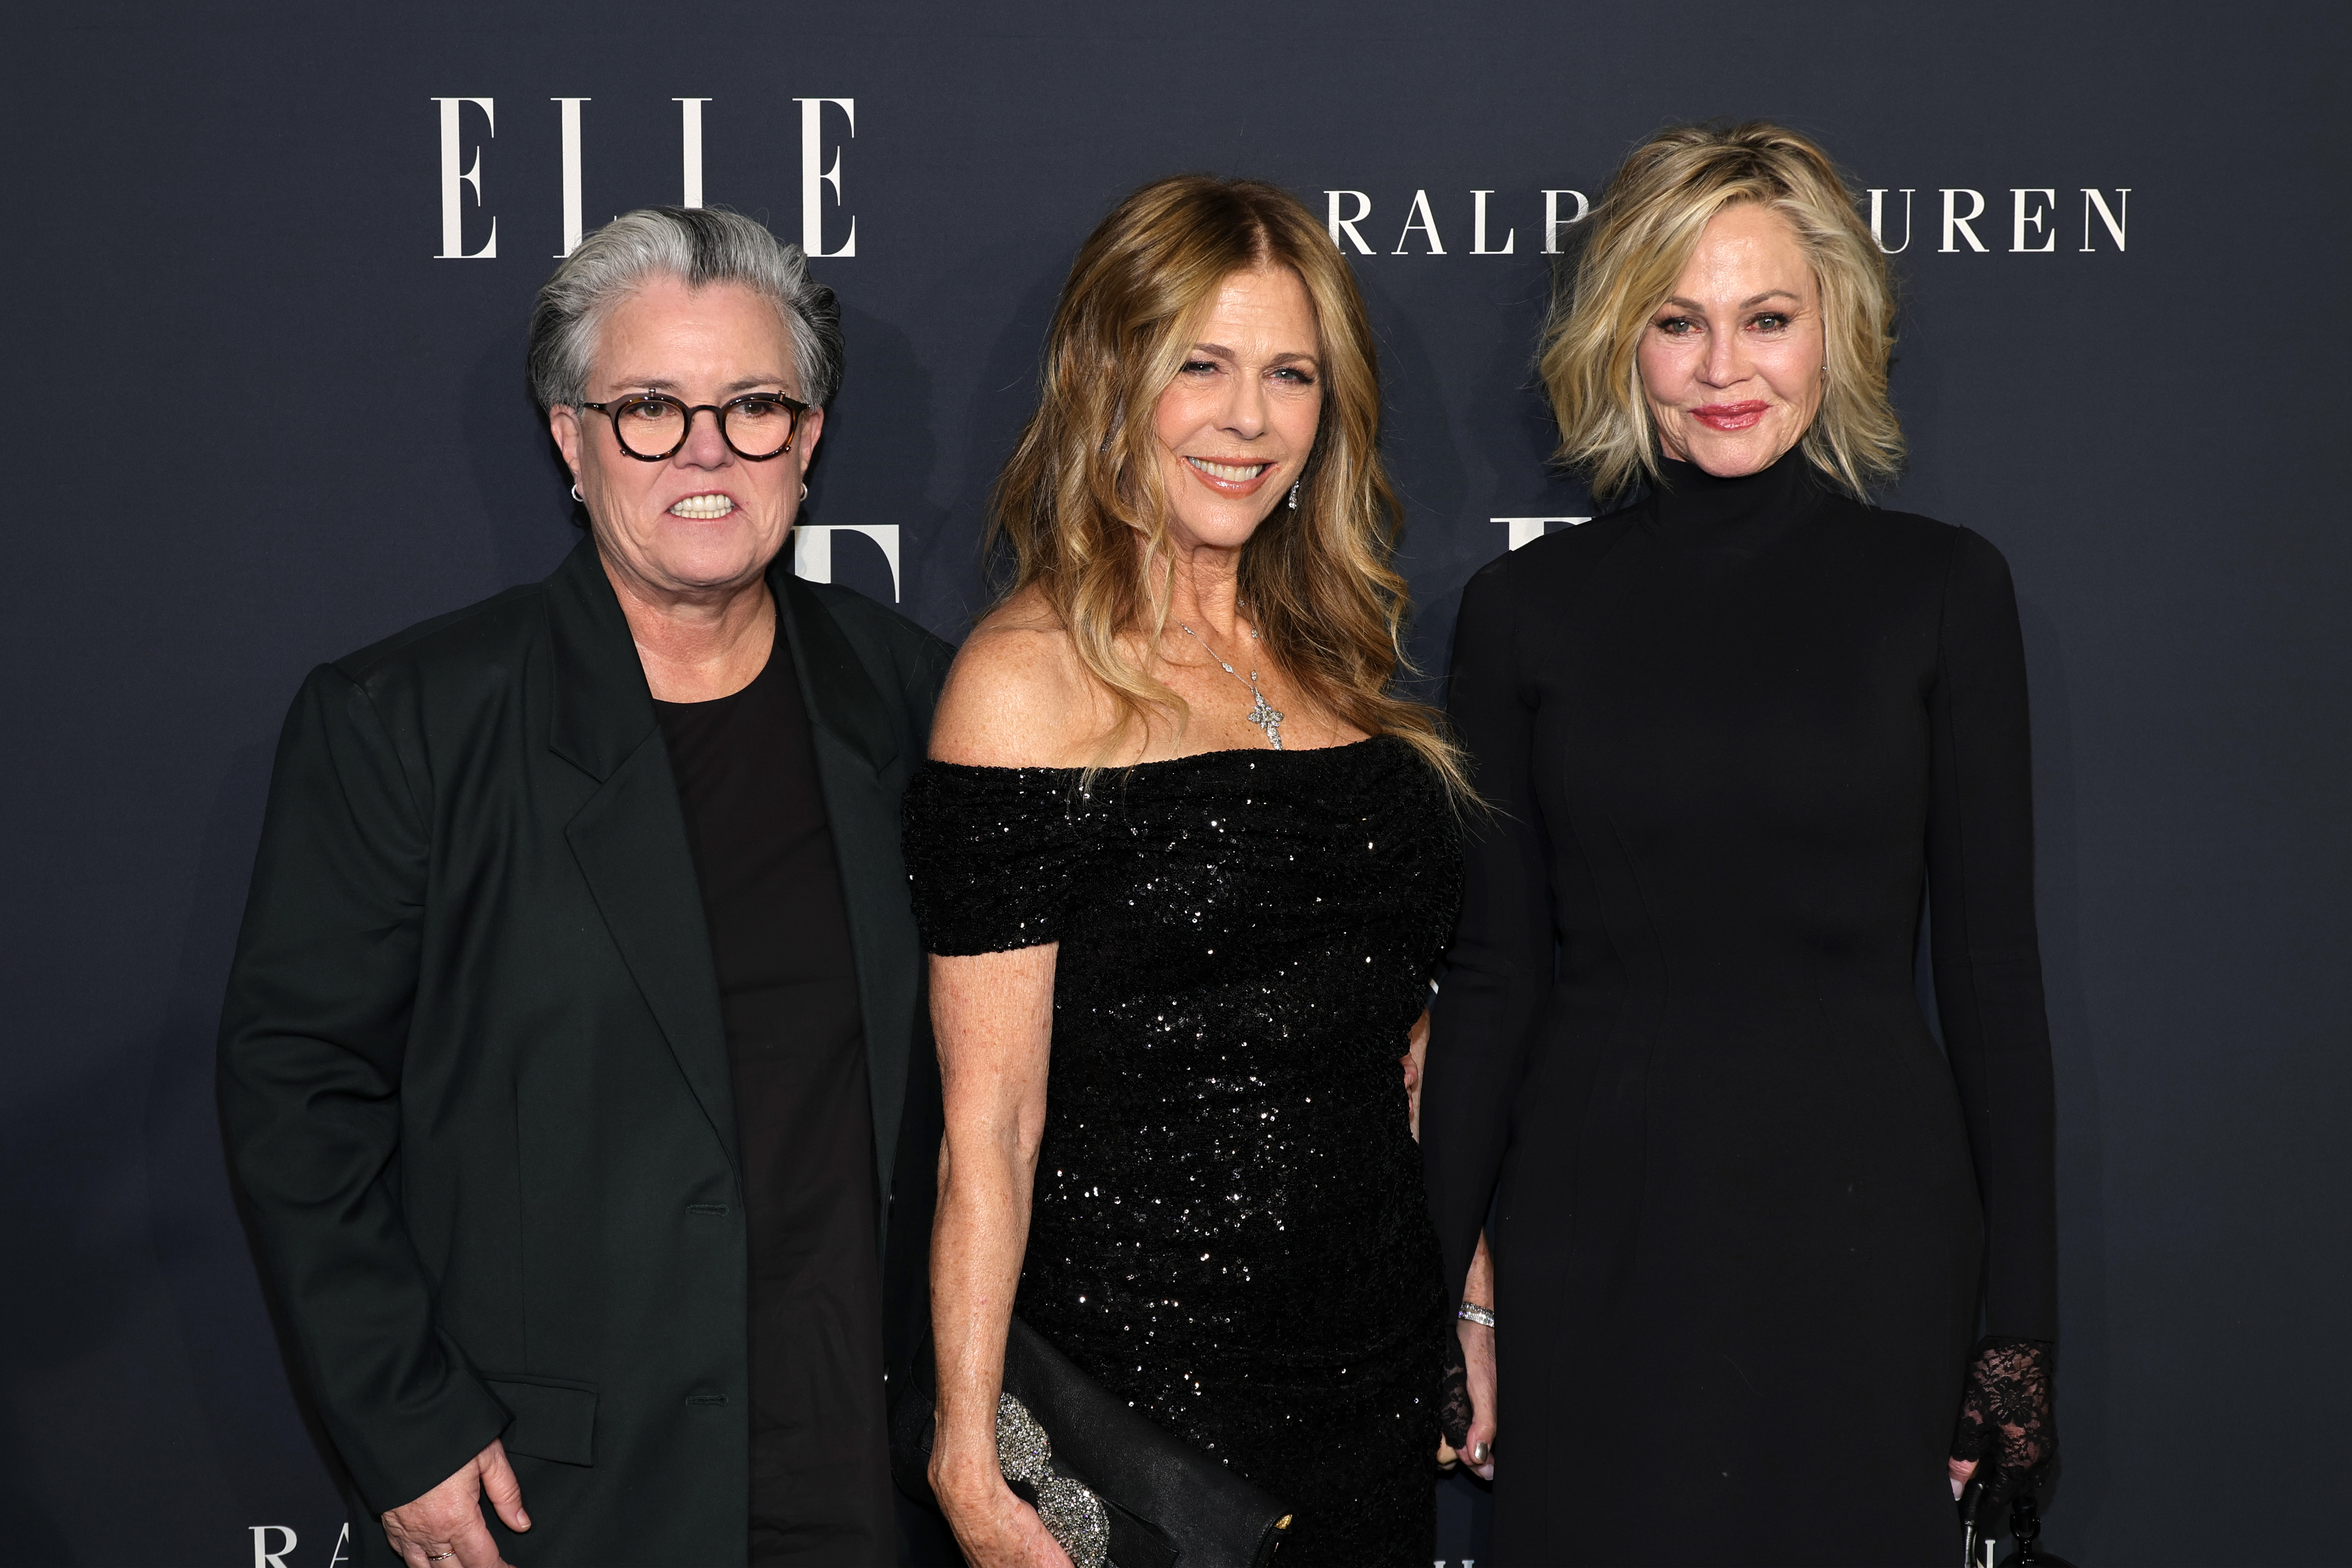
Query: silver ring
[1472, 1313]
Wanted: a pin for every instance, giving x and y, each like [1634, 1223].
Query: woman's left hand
[2007, 1437]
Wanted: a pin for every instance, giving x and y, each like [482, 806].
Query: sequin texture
[1071, 1514]
[1228, 1227]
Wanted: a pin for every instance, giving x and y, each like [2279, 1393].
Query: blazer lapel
[630, 837]
[840, 696]
[862, 770]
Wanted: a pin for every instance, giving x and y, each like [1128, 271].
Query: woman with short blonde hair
[1747, 1213]
[1179, 838]
[1659, 205]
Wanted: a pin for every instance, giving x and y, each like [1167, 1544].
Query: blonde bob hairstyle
[1644, 231]
[1083, 489]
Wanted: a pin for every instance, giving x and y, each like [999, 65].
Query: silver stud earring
[1294, 495]
[576, 495]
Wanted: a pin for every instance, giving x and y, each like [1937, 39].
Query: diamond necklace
[1262, 713]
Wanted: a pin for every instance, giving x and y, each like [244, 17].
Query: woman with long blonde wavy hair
[1181, 839]
[1747, 1213]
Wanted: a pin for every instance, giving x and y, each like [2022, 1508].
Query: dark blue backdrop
[259, 420]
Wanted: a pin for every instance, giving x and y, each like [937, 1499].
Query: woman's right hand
[993, 1016]
[993, 1528]
[1478, 1356]
[1477, 1365]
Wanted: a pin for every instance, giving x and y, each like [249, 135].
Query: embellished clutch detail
[1112, 1486]
[1071, 1514]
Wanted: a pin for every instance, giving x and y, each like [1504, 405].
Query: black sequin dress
[1229, 1228]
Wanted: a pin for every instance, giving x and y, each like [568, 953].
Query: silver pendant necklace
[1262, 713]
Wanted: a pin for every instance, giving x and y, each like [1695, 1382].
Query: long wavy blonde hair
[1082, 486]
[1645, 226]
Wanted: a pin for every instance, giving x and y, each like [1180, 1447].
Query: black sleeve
[1988, 962]
[312, 1039]
[993, 854]
[1500, 966]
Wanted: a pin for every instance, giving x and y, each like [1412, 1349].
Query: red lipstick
[1729, 416]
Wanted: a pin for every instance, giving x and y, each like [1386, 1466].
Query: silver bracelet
[1471, 1312]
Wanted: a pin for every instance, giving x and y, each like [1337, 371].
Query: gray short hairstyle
[697, 246]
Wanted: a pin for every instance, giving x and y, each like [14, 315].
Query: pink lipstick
[1230, 475]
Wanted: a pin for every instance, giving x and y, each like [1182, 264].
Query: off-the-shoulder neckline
[1252, 753]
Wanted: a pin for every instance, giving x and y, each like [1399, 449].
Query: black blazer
[473, 1077]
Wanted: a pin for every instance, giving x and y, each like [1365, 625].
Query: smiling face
[703, 521]
[1731, 364]
[1237, 423]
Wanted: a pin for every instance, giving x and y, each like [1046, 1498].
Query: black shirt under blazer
[473, 1077]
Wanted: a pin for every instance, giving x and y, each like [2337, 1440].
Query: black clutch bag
[1108, 1484]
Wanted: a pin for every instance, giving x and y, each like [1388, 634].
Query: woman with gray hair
[575, 1066]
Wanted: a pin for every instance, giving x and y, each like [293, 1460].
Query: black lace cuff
[1453, 1395]
[2007, 1425]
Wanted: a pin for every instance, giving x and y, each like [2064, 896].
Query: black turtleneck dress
[1747, 1207]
